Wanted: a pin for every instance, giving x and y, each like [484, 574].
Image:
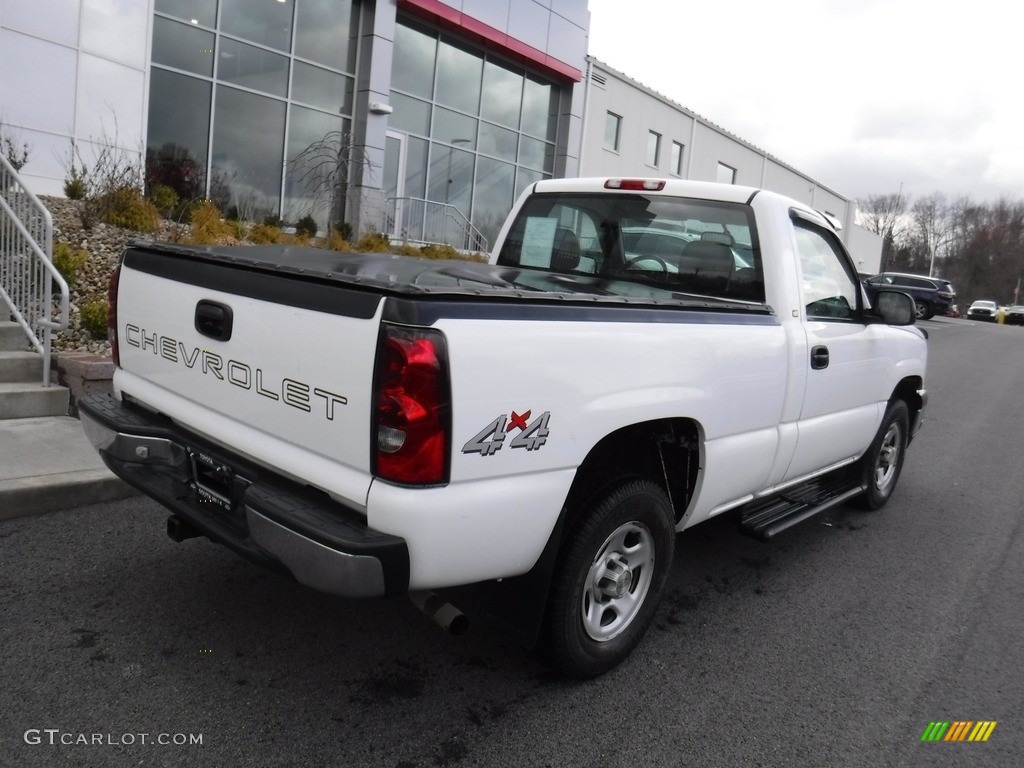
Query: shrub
[337, 242]
[207, 226]
[373, 242]
[272, 220]
[110, 186]
[440, 252]
[307, 226]
[74, 188]
[14, 149]
[407, 250]
[262, 234]
[126, 207]
[93, 316]
[436, 252]
[345, 231]
[165, 199]
[69, 262]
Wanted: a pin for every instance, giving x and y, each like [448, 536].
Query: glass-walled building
[242, 96]
[252, 104]
[420, 119]
[377, 113]
[469, 129]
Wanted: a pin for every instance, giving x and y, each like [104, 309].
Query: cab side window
[830, 291]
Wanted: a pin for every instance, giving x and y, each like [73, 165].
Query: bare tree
[323, 169]
[13, 148]
[931, 228]
[886, 216]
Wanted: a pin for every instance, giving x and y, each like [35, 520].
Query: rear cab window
[668, 245]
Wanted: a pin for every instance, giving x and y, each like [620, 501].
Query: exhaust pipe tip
[179, 529]
[444, 614]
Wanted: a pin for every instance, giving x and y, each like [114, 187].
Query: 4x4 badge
[532, 434]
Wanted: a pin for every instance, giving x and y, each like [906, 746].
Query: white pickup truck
[528, 435]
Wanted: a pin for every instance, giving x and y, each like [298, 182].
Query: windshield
[678, 245]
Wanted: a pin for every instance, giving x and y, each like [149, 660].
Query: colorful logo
[959, 730]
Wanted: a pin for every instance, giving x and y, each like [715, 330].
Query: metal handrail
[27, 273]
[426, 221]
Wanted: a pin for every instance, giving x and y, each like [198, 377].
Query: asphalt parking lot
[835, 645]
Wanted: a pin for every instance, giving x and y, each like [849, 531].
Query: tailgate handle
[214, 319]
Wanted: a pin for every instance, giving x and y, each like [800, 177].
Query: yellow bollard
[1001, 316]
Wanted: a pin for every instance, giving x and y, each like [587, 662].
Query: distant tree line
[978, 247]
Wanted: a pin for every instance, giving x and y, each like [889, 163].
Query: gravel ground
[105, 244]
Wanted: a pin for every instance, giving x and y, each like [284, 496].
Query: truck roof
[704, 190]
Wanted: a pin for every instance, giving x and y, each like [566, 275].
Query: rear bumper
[268, 519]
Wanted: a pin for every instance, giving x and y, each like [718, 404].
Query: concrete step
[12, 337]
[47, 464]
[22, 400]
[21, 366]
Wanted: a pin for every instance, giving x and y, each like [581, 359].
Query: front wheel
[609, 581]
[883, 461]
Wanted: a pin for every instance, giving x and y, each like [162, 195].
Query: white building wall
[73, 69]
[706, 147]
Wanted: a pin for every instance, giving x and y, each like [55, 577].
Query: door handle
[819, 358]
[214, 320]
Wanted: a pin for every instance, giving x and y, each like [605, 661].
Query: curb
[26, 496]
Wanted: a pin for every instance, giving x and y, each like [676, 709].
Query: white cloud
[861, 94]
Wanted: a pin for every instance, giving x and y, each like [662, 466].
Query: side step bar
[763, 519]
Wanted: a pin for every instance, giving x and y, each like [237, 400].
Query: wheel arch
[665, 451]
[911, 391]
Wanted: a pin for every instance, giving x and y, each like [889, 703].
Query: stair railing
[27, 273]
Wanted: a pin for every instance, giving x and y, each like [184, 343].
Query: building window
[653, 148]
[726, 174]
[242, 101]
[488, 129]
[612, 131]
[677, 158]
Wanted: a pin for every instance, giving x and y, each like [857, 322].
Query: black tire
[923, 310]
[609, 579]
[883, 462]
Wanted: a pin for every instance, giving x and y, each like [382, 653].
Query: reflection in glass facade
[179, 133]
[247, 152]
[246, 112]
[251, 102]
[491, 126]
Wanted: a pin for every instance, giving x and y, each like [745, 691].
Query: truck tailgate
[286, 359]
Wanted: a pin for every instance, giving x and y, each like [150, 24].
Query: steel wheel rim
[618, 581]
[888, 457]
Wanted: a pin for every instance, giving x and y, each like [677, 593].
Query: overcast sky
[861, 95]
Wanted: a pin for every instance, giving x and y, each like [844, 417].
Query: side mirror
[895, 307]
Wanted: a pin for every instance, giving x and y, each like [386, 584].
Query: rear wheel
[883, 461]
[608, 584]
[923, 310]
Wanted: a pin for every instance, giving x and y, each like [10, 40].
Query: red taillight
[112, 315]
[639, 185]
[412, 407]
